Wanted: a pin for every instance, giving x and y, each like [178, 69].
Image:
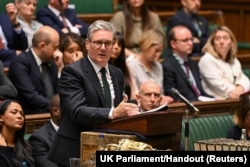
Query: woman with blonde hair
[145, 65]
[221, 71]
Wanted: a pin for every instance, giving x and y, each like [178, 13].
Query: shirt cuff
[111, 113]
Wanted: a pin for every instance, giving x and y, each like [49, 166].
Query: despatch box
[90, 141]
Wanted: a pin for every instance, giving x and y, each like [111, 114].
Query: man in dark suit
[180, 71]
[34, 73]
[197, 24]
[12, 36]
[91, 93]
[63, 19]
[41, 140]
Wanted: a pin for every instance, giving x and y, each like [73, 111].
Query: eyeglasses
[185, 40]
[107, 44]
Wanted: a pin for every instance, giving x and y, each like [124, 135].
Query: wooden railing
[219, 107]
[213, 16]
[35, 121]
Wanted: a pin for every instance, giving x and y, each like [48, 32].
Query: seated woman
[132, 21]
[241, 118]
[7, 89]
[221, 72]
[72, 48]
[14, 150]
[145, 66]
[25, 16]
[118, 59]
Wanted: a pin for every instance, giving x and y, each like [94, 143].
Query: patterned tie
[64, 20]
[106, 88]
[1, 43]
[47, 81]
[195, 89]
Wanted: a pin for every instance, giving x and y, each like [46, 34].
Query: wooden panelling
[236, 13]
[218, 107]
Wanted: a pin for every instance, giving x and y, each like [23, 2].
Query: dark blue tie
[106, 88]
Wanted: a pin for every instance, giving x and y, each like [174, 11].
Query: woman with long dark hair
[14, 150]
[132, 21]
[118, 59]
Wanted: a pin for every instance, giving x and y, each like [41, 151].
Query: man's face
[191, 6]
[149, 96]
[182, 45]
[100, 47]
[48, 50]
[60, 5]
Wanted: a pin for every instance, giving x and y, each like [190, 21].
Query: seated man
[41, 140]
[12, 38]
[34, 73]
[197, 24]
[149, 96]
[63, 19]
[180, 71]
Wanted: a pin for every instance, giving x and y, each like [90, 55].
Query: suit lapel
[91, 74]
[180, 71]
[51, 132]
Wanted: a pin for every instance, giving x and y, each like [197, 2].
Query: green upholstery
[93, 6]
[246, 72]
[26, 136]
[81, 6]
[206, 127]
[243, 45]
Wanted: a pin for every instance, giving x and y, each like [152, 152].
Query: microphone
[188, 103]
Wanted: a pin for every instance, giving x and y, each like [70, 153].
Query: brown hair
[242, 109]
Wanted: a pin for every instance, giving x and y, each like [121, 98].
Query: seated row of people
[21, 19]
[131, 21]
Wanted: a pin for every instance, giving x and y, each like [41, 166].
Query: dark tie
[47, 81]
[106, 88]
[64, 20]
[195, 89]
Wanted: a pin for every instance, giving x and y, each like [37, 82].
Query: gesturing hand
[125, 109]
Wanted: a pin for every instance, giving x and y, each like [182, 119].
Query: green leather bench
[206, 127]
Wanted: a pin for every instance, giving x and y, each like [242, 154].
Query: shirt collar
[37, 59]
[54, 10]
[56, 127]
[97, 67]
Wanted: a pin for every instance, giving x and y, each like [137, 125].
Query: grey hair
[100, 25]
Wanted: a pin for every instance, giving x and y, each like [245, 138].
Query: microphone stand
[187, 111]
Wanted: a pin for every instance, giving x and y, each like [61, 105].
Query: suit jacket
[27, 78]
[6, 156]
[7, 89]
[175, 77]
[47, 17]
[82, 106]
[41, 141]
[182, 17]
[16, 41]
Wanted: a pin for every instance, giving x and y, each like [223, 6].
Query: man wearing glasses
[180, 71]
[91, 93]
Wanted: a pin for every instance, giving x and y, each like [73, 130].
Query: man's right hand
[125, 109]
